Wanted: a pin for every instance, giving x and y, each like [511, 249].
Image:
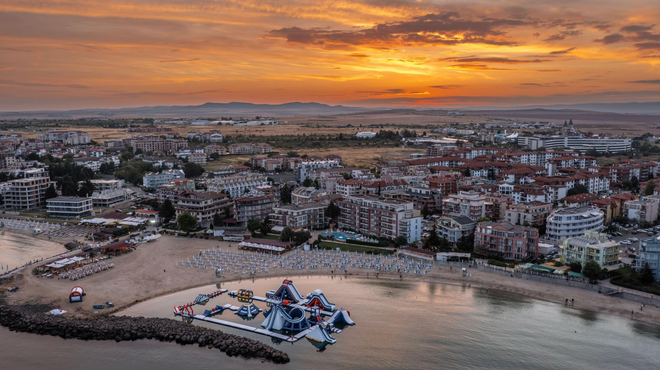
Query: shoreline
[148, 273]
[501, 290]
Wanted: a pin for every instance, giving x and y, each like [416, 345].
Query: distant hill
[193, 111]
[624, 108]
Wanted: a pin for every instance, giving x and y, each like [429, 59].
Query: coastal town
[566, 203]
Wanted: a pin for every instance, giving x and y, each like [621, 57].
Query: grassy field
[353, 248]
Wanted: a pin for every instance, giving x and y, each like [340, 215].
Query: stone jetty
[32, 319]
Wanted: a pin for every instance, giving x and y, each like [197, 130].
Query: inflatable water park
[290, 315]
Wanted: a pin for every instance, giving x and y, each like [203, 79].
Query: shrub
[497, 263]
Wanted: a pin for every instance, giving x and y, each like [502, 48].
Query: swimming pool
[338, 236]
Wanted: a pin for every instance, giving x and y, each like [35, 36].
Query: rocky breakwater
[123, 328]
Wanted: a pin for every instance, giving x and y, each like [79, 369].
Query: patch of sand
[17, 249]
[154, 269]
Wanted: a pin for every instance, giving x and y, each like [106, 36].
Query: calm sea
[400, 325]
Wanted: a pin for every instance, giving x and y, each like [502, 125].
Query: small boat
[98, 306]
[109, 304]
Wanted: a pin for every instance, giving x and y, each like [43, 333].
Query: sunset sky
[65, 54]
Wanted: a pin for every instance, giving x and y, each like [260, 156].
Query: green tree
[285, 194]
[591, 270]
[591, 152]
[126, 156]
[86, 189]
[575, 266]
[69, 187]
[186, 222]
[646, 275]
[332, 211]
[650, 188]
[301, 236]
[265, 227]
[217, 219]
[51, 192]
[254, 225]
[577, 189]
[287, 234]
[635, 182]
[400, 241]
[433, 241]
[192, 170]
[167, 210]
[425, 211]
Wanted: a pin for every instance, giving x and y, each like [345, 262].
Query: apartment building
[380, 218]
[249, 148]
[506, 240]
[199, 158]
[528, 214]
[153, 143]
[649, 252]
[455, 228]
[592, 246]
[469, 204]
[644, 209]
[255, 205]
[303, 169]
[203, 205]
[28, 193]
[65, 137]
[309, 216]
[213, 148]
[565, 223]
[156, 180]
[69, 207]
[236, 185]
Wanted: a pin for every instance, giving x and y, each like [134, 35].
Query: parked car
[632, 255]
[625, 242]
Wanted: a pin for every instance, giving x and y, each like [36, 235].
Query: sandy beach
[18, 248]
[154, 269]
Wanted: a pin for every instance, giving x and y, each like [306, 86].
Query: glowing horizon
[68, 54]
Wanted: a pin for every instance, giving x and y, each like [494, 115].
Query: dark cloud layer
[447, 28]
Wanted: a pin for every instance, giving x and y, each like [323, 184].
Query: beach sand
[154, 269]
[18, 248]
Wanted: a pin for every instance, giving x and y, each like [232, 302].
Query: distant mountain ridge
[208, 109]
[624, 108]
[214, 110]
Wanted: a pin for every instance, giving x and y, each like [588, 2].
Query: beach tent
[76, 294]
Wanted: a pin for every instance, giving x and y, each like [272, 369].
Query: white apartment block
[571, 222]
[236, 185]
[69, 207]
[156, 180]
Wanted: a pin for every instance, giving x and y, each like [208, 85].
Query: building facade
[649, 253]
[69, 207]
[466, 203]
[380, 218]
[28, 193]
[592, 246]
[571, 222]
[203, 205]
[506, 240]
[253, 205]
[528, 214]
[300, 216]
[455, 228]
[156, 180]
